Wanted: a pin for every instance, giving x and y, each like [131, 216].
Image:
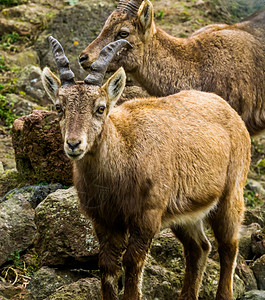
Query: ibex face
[124, 23]
[83, 106]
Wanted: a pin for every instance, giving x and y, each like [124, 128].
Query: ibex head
[131, 21]
[83, 107]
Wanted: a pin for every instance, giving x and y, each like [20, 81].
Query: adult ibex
[150, 162]
[226, 59]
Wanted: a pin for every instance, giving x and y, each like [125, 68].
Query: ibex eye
[100, 110]
[123, 34]
[58, 108]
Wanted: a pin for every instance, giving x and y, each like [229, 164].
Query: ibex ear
[146, 15]
[114, 87]
[51, 83]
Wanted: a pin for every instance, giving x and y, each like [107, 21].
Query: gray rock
[47, 280]
[258, 244]
[245, 239]
[9, 291]
[64, 234]
[17, 227]
[254, 295]
[259, 272]
[30, 82]
[20, 106]
[34, 194]
[246, 274]
[255, 215]
[83, 289]
[21, 59]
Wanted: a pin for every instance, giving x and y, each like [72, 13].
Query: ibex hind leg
[196, 249]
[225, 222]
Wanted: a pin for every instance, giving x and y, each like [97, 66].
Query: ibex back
[226, 59]
[171, 161]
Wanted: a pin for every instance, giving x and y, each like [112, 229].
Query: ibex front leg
[141, 234]
[112, 244]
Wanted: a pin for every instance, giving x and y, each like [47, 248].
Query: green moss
[251, 199]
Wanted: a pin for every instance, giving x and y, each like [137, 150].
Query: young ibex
[151, 162]
[228, 60]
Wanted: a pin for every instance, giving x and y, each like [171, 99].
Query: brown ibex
[228, 60]
[171, 161]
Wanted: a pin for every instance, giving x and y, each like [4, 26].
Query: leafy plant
[8, 40]
[7, 117]
[3, 67]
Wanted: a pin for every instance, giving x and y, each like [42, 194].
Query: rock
[64, 234]
[258, 244]
[39, 150]
[7, 153]
[255, 215]
[83, 289]
[34, 194]
[20, 106]
[9, 291]
[2, 171]
[245, 239]
[256, 187]
[259, 272]
[254, 295]
[75, 27]
[245, 273]
[30, 82]
[17, 228]
[160, 283]
[46, 281]
[21, 59]
[26, 19]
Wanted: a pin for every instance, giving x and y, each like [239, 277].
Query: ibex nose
[83, 58]
[73, 145]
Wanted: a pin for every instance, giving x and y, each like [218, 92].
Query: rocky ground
[48, 250]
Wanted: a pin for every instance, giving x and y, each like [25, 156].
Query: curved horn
[132, 7]
[122, 4]
[62, 62]
[99, 67]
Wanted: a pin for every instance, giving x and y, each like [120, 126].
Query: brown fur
[226, 59]
[149, 163]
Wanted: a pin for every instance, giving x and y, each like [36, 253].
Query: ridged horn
[122, 5]
[99, 67]
[62, 62]
[132, 7]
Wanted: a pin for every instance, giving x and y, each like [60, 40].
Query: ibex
[171, 161]
[228, 60]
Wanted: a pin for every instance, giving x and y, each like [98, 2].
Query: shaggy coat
[228, 60]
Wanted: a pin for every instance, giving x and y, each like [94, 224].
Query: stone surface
[64, 234]
[17, 228]
[33, 194]
[29, 81]
[255, 215]
[254, 295]
[39, 150]
[245, 273]
[259, 272]
[258, 244]
[245, 239]
[47, 280]
[83, 289]
[9, 291]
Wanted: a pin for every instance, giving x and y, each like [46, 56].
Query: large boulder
[38, 146]
[17, 227]
[64, 235]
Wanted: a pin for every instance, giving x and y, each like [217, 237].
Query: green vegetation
[7, 3]
[252, 199]
[3, 67]
[8, 41]
[7, 116]
[20, 268]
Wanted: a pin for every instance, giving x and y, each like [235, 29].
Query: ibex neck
[169, 64]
